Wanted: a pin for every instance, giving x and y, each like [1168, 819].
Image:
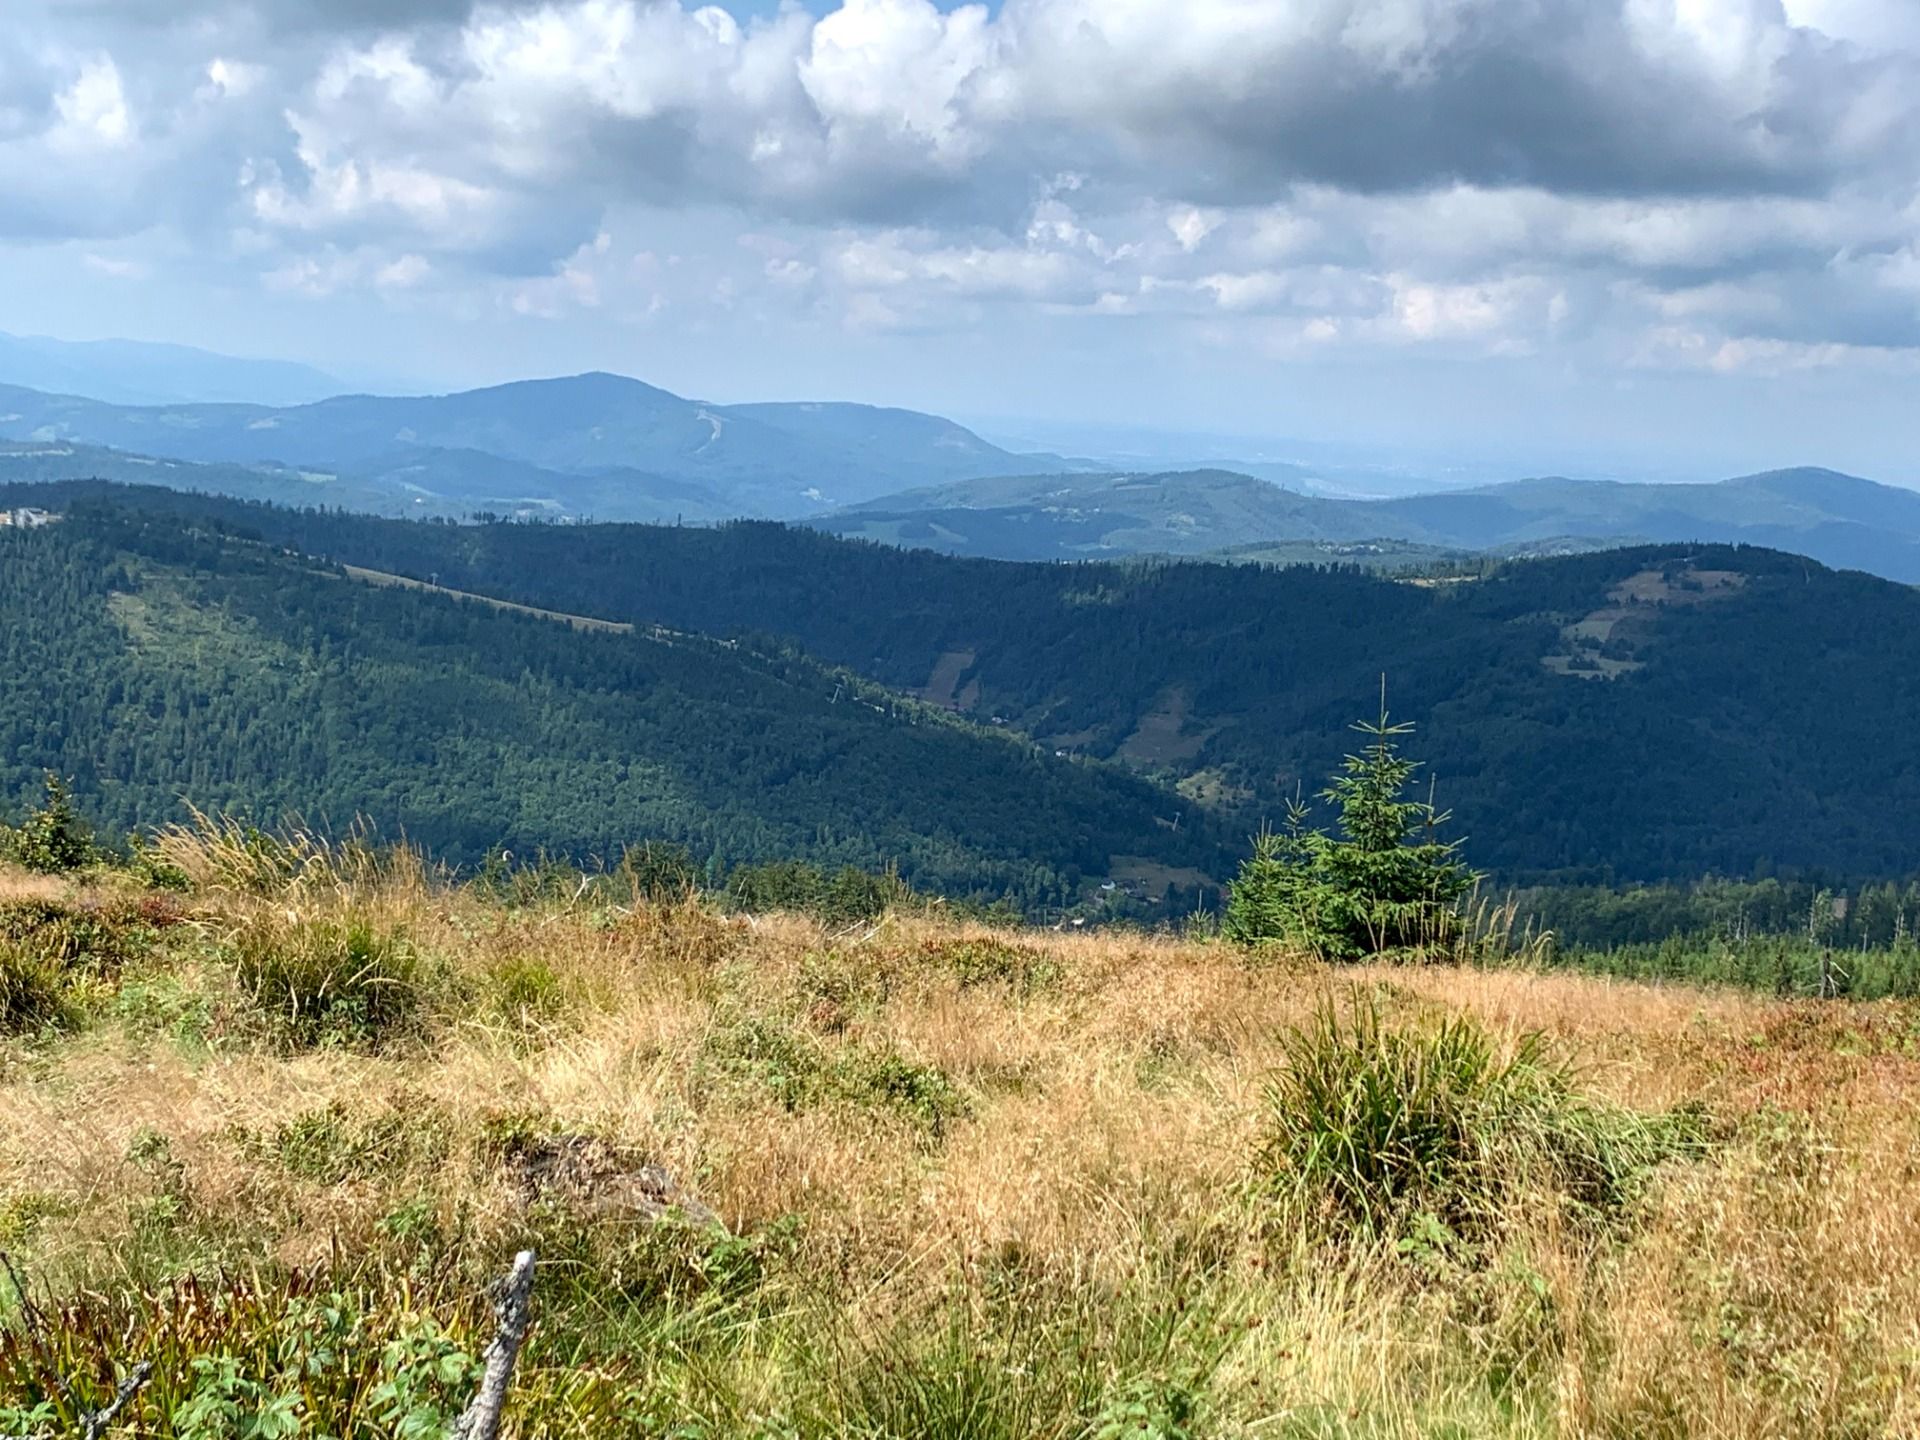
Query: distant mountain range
[1840, 520]
[604, 447]
[137, 372]
[592, 444]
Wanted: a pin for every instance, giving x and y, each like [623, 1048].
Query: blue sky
[1600, 236]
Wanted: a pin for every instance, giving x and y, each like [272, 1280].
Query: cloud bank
[1715, 185]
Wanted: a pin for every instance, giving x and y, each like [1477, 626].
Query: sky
[1672, 237]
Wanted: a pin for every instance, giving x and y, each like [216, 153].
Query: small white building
[27, 518]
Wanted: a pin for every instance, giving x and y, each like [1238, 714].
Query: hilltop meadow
[274, 1113]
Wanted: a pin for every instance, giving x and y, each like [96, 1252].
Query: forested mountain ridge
[1654, 713]
[158, 663]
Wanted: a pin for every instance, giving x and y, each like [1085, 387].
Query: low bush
[1432, 1134]
[659, 872]
[95, 937]
[331, 1143]
[51, 953]
[801, 1072]
[54, 839]
[523, 990]
[987, 961]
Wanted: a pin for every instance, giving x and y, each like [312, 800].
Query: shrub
[1431, 1134]
[801, 1072]
[988, 961]
[324, 981]
[330, 1144]
[54, 838]
[150, 865]
[99, 939]
[524, 990]
[659, 872]
[843, 896]
[50, 952]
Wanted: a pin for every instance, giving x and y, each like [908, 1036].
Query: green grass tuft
[332, 981]
[1432, 1134]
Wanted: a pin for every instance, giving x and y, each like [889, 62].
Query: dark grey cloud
[1588, 97]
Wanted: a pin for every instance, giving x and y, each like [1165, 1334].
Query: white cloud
[1191, 226]
[1655, 169]
[402, 274]
[93, 110]
[232, 79]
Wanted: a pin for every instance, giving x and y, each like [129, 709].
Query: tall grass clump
[34, 990]
[221, 853]
[332, 980]
[53, 953]
[1437, 1132]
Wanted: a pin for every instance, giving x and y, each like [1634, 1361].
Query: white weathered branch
[513, 1309]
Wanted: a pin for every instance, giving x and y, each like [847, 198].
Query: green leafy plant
[239, 1360]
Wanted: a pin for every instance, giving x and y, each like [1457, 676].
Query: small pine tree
[1385, 882]
[54, 838]
[1271, 895]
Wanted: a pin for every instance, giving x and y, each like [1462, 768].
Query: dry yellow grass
[1105, 1117]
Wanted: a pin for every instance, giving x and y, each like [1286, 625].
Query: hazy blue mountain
[1840, 520]
[136, 372]
[606, 447]
[611, 440]
[50, 461]
[887, 438]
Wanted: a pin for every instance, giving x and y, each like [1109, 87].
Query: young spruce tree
[1385, 882]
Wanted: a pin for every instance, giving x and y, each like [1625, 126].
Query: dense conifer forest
[159, 665]
[1644, 715]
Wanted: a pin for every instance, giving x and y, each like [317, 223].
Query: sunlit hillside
[906, 1175]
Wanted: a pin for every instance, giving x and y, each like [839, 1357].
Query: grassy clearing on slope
[968, 1182]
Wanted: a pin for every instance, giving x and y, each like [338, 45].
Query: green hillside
[158, 664]
[1643, 714]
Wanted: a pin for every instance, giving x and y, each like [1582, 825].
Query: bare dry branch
[513, 1309]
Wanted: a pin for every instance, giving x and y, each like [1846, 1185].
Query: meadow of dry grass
[969, 1181]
